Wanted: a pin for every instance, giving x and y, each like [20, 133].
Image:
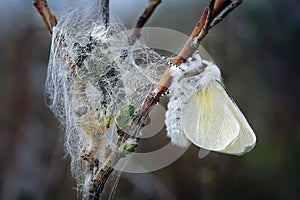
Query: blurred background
[257, 49]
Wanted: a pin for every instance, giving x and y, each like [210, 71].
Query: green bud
[128, 147]
[126, 116]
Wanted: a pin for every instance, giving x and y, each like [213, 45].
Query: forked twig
[212, 15]
[101, 178]
[48, 18]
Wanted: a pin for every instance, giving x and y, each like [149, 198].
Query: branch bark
[48, 18]
[105, 12]
[136, 33]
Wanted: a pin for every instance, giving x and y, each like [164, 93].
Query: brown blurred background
[257, 48]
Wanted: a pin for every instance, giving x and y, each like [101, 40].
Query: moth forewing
[208, 122]
[246, 139]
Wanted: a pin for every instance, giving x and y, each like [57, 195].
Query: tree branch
[48, 18]
[224, 9]
[136, 33]
[105, 12]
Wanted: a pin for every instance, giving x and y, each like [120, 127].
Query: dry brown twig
[48, 18]
[211, 16]
[136, 33]
[105, 12]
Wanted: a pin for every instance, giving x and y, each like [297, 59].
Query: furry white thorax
[187, 79]
[193, 75]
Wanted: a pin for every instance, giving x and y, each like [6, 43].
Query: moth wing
[246, 139]
[208, 121]
[203, 153]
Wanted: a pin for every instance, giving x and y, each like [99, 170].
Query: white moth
[201, 111]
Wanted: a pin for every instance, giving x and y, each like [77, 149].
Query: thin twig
[208, 20]
[224, 12]
[105, 12]
[220, 5]
[136, 33]
[48, 18]
[101, 177]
